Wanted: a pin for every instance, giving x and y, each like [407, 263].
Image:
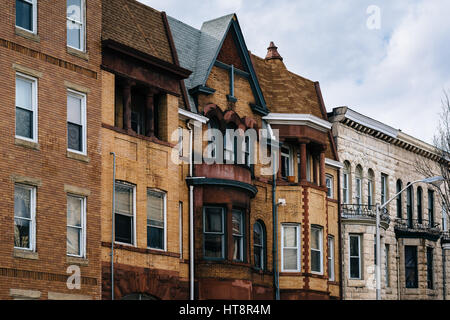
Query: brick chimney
[272, 52]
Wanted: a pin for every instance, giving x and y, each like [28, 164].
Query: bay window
[214, 233]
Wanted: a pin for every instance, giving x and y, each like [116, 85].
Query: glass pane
[258, 257]
[155, 238]
[155, 208]
[124, 199]
[354, 246]
[74, 207]
[237, 248]
[74, 137]
[124, 228]
[290, 259]
[74, 9]
[213, 221]
[213, 246]
[73, 241]
[237, 222]
[315, 261]
[73, 34]
[22, 202]
[22, 233]
[290, 237]
[24, 123]
[354, 268]
[315, 238]
[74, 105]
[24, 15]
[257, 234]
[24, 94]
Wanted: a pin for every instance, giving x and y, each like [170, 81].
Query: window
[399, 199]
[214, 233]
[331, 275]
[26, 107]
[345, 186]
[290, 254]
[156, 220]
[370, 191]
[409, 205]
[316, 250]
[259, 238]
[212, 143]
[238, 235]
[358, 185]
[419, 204]
[386, 265]
[329, 183]
[230, 143]
[75, 24]
[285, 161]
[24, 216]
[180, 142]
[384, 190]
[76, 214]
[355, 256]
[411, 275]
[76, 122]
[124, 213]
[26, 15]
[444, 217]
[431, 208]
[430, 268]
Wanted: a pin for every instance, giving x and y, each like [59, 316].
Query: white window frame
[133, 187]
[331, 271]
[165, 218]
[32, 241]
[83, 97]
[34, 103]
[320, 250]
[297, 226]
[180, 142]
[290, 157]
[358, 193]
[83, 226]
[241, 235]
[358, 236]
[345, 190]
[329, 178]
[384, 191]
[260, 247]
[34, 29]
[370, 192]
[83, 27]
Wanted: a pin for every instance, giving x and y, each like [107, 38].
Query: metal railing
[354, 211]
[446, 237]
[414, 225]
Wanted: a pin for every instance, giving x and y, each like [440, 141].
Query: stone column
[303, 161]
[322, 169]
[127, 105]
[150, 108]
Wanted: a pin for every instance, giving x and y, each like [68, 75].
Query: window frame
[384, 188]
[289, 163]
[358, 236]
[83, 96]
[416, 266]
[34, 19]
[298, 248]
[83, 226]
[32, 242]
[241, 235]
[331, 267]
[387, 278]
[320, 250]
[431, 208]
[34, 105]
[330, 190]
[156, 191]
[261, 247]
[430, 268]
[223, 234]
[83, 39]
[133, 187]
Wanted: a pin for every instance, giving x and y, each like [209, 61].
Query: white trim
[331, 273]
[371, 123]
[298, 119]
[164, 194]
[320, 229]
[133, 187]
[83, 225]
[83, 37]
[358, 236]
[187, 115]
[334, 163]
[32, 242]
[34, 105]
[34, 29]
[331, 178]
[77, 94]
[297, 226]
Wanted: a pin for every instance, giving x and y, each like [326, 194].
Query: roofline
[188, 115]
[298, 119]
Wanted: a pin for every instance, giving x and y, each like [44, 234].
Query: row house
[50, 147]
[379, 161]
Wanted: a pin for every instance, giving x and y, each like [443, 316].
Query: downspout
[444, 277]
[276, 282]
[341, 271]
[112, 224]
[191, 215]
[398, 271]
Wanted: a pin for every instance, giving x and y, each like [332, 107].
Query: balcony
[364, 214]
[413, 228]
[445, 239]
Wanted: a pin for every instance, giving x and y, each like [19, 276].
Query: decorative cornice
[224, 182]
[333, 163]
[187, 115]
[299, 120]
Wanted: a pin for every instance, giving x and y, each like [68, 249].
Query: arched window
[345, 183]
[212, 124]
[230, 143]
[409, 204]
[399, 199]
[370, 188]
[259, 245]
[358, 181]
[419, 205]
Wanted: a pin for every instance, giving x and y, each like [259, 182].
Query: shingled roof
[137, 26]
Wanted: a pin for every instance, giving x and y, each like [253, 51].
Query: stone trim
[77, 190]
[25, 254]
[67, 296]
[27, 34]
[21, 294]
[27, 144]
[77, 261]
[76, 87]
[26, 180]
[78, 53]
[77, 156]
[26, 70]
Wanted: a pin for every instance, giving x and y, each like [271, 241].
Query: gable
[229, 53]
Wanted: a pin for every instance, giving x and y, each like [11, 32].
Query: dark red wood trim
[132, 134]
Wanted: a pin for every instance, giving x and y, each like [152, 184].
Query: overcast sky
[395, 74]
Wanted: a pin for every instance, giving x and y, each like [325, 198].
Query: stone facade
[377, 149]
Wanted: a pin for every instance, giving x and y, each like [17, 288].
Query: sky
[385, 59]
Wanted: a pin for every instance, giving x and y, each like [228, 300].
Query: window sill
[27, 34]
[25, 254]
[77, 156]
[356, 283]
[77, 261]
[78, 53]
[27, 144]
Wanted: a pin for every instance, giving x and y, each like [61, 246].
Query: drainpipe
[341, 281]
[191, 215]
[112, 224]
[398, 272]
[276, 281]
[444, 287]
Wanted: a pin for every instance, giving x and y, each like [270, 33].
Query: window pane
[354, 246]
[124, 199]
[24, 15]
[354, 268]
[213, 246]
[74, 207]
[213, 221]
[22, 202]
[22, 233]
[290, 237]
[290, 259]
[155, 209]
[24, 123]
[315, 240]
[24, 94]
[74, 105]
[74, 137]
[237, 251]
[315, 261]
[74, 34]
[257, 234]
[74, 10]
[155, 238]
[124, 228]
[258, 257]
[73, 241]
[237, 222]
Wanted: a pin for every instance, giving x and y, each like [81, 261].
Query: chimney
[272, 52]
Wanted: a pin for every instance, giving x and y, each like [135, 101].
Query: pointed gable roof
[198, 51]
